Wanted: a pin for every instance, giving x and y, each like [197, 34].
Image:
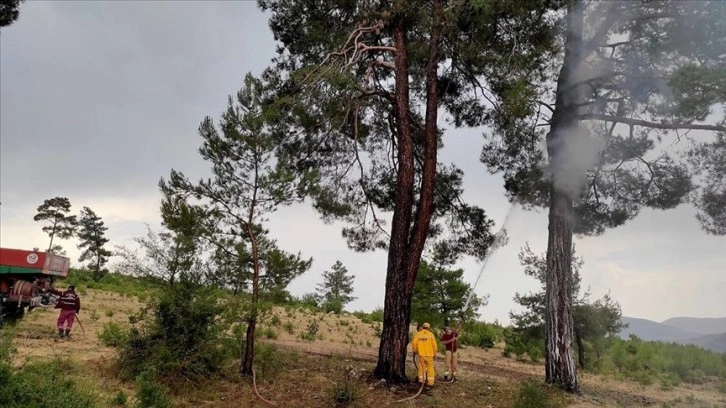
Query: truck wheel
[12, 314]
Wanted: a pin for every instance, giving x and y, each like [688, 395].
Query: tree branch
[653, 125]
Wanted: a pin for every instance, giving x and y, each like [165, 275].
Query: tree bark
[560, 367]
[406, 243]
[249, 354]
[397, 306]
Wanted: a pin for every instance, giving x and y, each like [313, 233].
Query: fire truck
[24, 278]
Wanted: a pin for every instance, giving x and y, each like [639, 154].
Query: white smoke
[576, 150]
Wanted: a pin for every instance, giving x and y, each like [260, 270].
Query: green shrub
[275, 321]
[180, 336]
[109, 313]
[344, 393]
[268, 361]
[345, 389]
[119, 399]
[270, 333]
[521, 343]
[289, 327]
[311, 332]
[149, 393]
[363, 316]
[41, 384]
[532, 394]
[113, 335]
[334, 306]
[377, 314]
[377, 330]
[481, 334]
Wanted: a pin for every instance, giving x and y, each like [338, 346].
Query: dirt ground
[342, 344]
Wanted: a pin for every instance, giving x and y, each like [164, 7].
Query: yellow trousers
[426, 366]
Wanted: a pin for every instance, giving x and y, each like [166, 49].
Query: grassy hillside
[308, 359]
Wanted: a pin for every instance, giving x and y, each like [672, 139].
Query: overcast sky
[99, 100]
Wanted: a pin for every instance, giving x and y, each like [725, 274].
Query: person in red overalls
[69, 304]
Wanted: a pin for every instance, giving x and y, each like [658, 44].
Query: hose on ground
[257, 393]
[415, 395]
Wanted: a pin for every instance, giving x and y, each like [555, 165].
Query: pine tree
[9, 12]
[623, 83]
[337, 287]
[91, 233]
[440, 296]
[54, 212]
[360, 86]
[247, 185]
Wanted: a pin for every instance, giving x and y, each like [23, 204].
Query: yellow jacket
[424, 344]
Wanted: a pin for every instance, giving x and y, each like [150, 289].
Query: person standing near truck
[69, 304]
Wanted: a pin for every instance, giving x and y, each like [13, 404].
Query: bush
[179, 335]
[43, 384]
[377, 330]
[269, 333]
[119, 399]
[268, 360]
[311, 332]
[363, 316]
[520, 343]
[113, 335]
[149, 393]
[481, 334]
[345, 390]
[289, 327]
[531, 394]
[377, 314]
[334, 306]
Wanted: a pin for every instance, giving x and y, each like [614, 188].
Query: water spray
[500, 239]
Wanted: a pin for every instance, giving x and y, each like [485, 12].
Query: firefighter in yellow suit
[424, 345]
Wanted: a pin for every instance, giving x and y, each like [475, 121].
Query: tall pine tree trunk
[404, 255]
[397, 306]
[560, 367]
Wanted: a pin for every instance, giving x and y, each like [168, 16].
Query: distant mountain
[703, 332]
[698, 325]
[715, 342]
[650, 330]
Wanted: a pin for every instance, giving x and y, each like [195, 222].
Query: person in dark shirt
[450, 342]
[69, 304]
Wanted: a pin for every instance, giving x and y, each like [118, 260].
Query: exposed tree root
[254, 387]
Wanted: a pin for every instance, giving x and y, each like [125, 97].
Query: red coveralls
[69, 304]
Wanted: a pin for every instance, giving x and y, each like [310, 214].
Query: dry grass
[306, 373]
